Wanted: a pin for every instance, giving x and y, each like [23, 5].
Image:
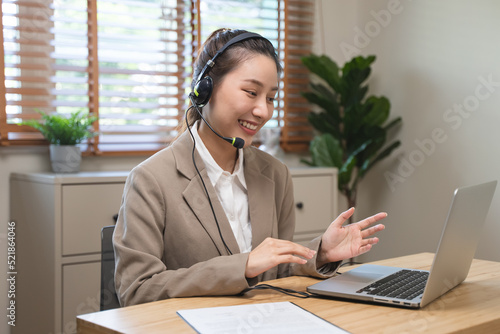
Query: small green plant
[352, 129]
[59, 129]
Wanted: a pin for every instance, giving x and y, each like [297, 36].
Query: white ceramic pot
[65, 158]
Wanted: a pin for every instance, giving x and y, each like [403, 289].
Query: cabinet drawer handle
[299, 205]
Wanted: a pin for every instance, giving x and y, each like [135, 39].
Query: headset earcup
[202, 91]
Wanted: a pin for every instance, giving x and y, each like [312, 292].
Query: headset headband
[234, 40]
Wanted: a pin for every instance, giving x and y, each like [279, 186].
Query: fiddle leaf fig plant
[351, 126]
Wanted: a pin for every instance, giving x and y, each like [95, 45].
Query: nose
[263, 109]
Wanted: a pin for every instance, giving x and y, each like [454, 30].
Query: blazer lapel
[260, 198]
[195, 196]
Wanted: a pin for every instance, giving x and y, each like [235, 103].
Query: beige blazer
[166, 239]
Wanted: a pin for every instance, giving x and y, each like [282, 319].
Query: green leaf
[377, 111]
[352, 124]
[393, 123]
[382, 155]
[345, 172]
[358, 68]
[325, 68]
[354, 73]
[62, 130]
[326, 91]
[326, 151]
[328, 100]
[378, 137]
[307, 162]
[324, 123]
[328, 105]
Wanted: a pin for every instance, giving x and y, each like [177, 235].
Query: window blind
[144, 52]
[28, 67]
[129, 62]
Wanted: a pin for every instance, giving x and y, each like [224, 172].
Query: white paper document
[272, 318]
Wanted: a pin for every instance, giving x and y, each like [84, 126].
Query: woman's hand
[272, 252]
[342, 242]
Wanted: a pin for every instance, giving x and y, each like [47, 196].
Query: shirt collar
[214, 171]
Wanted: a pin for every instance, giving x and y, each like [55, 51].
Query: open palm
[341, 242]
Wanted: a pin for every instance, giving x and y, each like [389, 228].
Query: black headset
[202, 90]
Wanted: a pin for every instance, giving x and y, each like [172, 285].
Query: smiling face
[242, 102]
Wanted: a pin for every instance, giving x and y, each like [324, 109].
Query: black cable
[203, 118]
[202, 181]
[290, 292]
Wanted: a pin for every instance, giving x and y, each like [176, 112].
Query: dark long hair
[228, 60]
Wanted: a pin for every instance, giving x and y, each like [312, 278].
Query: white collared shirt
[232, 192]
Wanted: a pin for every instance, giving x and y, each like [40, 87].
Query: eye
[271, 99]
[252, 93]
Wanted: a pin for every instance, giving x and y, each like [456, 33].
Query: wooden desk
[472, 307]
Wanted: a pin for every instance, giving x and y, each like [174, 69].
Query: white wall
[434, 62]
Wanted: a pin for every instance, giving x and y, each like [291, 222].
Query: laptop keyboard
[404, 284]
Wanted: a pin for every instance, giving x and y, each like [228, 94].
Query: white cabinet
[315, 192]
[58, 219]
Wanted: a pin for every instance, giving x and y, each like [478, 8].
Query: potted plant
[64, 133]
[351, 126]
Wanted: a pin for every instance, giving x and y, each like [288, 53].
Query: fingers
[289, 250]
[372, 230]
[342, 218]
[272, 252]
[371, 220]
[367, 245]
[370, 241]
[364, 249]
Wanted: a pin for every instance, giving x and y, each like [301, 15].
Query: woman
[172, 240]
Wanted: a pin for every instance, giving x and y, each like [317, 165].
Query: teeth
[248, 125]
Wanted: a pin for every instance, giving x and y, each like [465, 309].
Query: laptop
[417, 288]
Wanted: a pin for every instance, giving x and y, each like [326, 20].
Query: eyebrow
[260, 84]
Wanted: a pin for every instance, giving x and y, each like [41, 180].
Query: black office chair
[109, 299]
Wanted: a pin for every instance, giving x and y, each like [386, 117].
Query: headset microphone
[235, 141]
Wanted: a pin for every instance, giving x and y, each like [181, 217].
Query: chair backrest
[109, 299]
